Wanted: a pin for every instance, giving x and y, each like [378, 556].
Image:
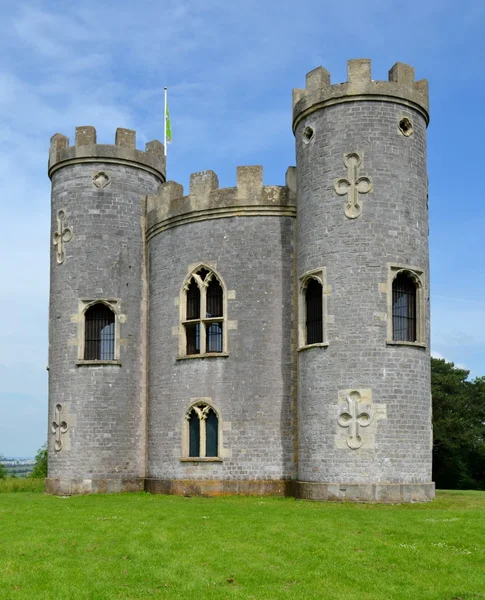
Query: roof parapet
[87, 150]
[170, 208]
[401, 87]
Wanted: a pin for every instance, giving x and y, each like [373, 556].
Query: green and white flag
[168, 125]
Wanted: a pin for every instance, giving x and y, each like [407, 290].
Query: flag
[168, 125]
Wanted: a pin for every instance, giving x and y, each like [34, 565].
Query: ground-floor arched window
[203, 431]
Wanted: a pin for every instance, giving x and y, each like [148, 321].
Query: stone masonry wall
[393, 228]
[104, 406]
[252, 387]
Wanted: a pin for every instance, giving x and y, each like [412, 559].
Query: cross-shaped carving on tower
[353, 185]
[355, 417]
[58, 427]
[61, 236]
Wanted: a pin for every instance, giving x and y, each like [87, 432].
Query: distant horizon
[4, 457]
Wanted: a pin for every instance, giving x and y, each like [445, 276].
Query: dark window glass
[192, 332]
[403, 309]
[99, 333]
[194, 434]
[314, 312]
[214, 337]
[193, 301]
[214, 299]
[211, 431]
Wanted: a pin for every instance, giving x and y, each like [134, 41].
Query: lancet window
[202, 433]
[404, 309]
[406, 306]
[312, 310]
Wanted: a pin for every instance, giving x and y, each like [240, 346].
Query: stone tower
[256, 339]
[97, 403]
[362, 232]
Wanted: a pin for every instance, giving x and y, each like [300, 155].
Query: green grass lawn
[141, 546]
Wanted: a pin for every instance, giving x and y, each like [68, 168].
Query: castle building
[254, 339]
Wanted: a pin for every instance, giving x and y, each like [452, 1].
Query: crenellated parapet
[170, 208]
[86, 150]
[320, 93]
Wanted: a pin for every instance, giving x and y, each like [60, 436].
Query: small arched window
[203, 432]
[192, 329]
[99, 333]
[203, 314]
[314, 312]
[404, 308]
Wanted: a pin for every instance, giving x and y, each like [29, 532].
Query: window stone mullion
[202, 437]
[203, 313]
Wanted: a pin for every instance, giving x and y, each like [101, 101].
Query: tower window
[314, 312]
[406, 306]
[312, 308]
[203, 314]
[202, 432]
[403, 309]
[99, 333]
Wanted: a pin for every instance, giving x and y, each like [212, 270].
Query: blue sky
[230, 67]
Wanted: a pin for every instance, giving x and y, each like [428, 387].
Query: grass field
[134, 546]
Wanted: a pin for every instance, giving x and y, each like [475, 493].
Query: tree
[458, 427]
[40, 466]
[3, 470]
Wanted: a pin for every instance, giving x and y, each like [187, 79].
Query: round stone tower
[98, 311]
[364, 405]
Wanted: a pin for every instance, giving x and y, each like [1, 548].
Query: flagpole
[165, 121]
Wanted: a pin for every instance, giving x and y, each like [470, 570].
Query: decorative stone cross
[354, 418]
[61, 236]
[353, 185]
[58, 427]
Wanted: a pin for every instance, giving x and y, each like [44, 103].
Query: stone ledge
[199, 459]
[98, 363]
[211, 487]
[399, 343]
[380, 493]
[74, 487]
[310, 346]
[207, 355]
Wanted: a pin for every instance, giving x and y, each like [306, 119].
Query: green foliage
[137, 546]
[40, 466]
[13, 484]
[3, 470]
[458, 427]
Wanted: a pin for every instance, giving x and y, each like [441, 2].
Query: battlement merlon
[401, 87]
[86, 150]
[206, 200]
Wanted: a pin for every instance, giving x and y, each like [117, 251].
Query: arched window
[203, 314]
[314, 312]
[203, 431]
[214, 313]
[193, 314]
[404, 308]
[99, 333]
